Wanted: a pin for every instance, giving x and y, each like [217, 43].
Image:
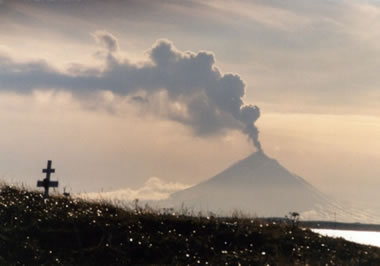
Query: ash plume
[196, 93]
[107, 40]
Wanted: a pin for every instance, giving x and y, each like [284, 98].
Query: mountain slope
[255, 185]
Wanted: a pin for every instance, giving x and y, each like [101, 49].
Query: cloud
[310, 51]
[261, 12]
[153, 189]
[107, 40]
[192, 89]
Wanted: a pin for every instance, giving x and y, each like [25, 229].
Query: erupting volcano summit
[255, 185]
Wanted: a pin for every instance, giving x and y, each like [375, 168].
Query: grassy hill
[68, 231]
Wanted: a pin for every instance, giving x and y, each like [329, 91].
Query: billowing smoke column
[205, 100]
[250, 114]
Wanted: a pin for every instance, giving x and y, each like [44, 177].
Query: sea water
[361, 237]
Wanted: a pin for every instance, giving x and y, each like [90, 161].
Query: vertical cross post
[46, 183]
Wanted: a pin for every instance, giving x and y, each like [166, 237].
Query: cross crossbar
[51, 184]
[48, 171]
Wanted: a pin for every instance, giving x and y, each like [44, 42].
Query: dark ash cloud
[210, 101]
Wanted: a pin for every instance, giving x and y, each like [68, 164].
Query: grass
[69, 231]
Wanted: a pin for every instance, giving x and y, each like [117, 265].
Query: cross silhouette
[46, 183]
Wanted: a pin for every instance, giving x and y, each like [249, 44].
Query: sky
[130, 95]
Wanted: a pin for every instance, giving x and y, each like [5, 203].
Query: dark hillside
[58, 230]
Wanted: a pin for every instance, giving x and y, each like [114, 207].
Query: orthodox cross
[46, 183]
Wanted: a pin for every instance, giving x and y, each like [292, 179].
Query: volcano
[256, 185]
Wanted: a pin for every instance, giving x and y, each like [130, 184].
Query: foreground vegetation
[67, 231]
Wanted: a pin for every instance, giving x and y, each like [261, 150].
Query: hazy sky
[117, 92]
